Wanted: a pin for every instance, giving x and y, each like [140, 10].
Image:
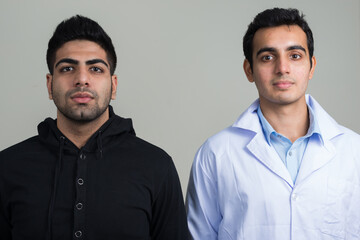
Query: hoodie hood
[50, 135]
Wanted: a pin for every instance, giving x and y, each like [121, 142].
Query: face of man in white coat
[281, 65]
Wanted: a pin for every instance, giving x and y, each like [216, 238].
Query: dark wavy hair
[273, 18]
[80, 28]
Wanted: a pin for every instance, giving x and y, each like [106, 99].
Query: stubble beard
[82, 112]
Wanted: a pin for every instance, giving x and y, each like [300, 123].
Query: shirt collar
[268, 129]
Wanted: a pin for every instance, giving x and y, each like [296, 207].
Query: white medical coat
[240, 189]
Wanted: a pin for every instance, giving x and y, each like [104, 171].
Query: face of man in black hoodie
[81, 85]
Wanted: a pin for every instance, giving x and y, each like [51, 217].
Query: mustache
[81, 90]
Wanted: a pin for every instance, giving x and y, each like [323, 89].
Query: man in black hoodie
[86, 175]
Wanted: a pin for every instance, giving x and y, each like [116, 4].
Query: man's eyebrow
[89, 62]
[270, 49]
[265, 49]
[296, 47]
[94, 61]
[67, 60]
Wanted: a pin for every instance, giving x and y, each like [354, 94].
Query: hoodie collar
[50, 134]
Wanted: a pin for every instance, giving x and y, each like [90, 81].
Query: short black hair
[80, 28]
[273, 18]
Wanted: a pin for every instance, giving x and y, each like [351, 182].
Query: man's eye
[267, 58]
[96, 69]
[66, 69]
[295, 56]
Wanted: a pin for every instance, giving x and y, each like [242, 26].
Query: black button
[82, 156]
[78, 234]
[80, 181]
[79, 206]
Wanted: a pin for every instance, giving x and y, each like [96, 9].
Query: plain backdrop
[179, 64]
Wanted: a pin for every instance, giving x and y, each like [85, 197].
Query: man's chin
[81, 115]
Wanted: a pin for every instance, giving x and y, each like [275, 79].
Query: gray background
[179, 64]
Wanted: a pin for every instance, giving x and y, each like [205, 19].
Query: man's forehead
[283, 36]
[81, 50]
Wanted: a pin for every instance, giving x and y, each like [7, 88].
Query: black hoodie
[115, 187]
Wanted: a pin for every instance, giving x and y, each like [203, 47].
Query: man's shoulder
[142, 151]
[225, 139]
[144, 157]
[245, 127]
[222, 135]
[16, 154]
[350, 135]
[140, 143]
[329, 127]
[22, 147]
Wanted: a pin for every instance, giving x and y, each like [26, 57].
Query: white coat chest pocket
[342, 210]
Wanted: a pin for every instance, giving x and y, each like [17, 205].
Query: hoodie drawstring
[99, 142]
[54, 189]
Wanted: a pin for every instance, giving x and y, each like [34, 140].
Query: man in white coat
[285, 169]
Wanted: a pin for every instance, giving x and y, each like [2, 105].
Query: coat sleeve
[169, 217]
[202, 205]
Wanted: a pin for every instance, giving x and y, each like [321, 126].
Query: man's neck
[80, 132]
[292, 121]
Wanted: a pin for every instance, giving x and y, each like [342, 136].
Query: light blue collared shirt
[290, 153]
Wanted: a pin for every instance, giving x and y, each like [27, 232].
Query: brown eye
[96, 69]
[295, 56]
[267, 58]
[66, 69]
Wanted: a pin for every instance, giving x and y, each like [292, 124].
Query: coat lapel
[258, 146]
[316, 156]
[269, 157]
[320, 149]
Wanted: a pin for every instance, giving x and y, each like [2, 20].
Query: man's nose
[82, 78]
[282, 65]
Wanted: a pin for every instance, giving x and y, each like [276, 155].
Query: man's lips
[283, 84]
[82, 97]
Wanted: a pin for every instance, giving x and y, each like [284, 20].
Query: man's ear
[49, 79]
[114, 83]
[248, 70]
[312, 70]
